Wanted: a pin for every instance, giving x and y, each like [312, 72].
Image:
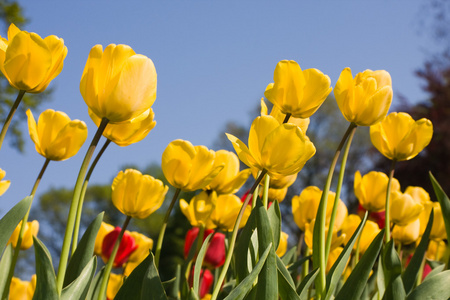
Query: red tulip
[206, 281]
[126, 248]
[215, 255]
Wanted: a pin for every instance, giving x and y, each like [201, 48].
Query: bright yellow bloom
[225, 213]
[438, 231]
[336, 240]
[296, 92]
[31, 229]
[29, 62]
[418, 194]
[404, 209]
[332, 257]
[279, 149]
[367, 235]
[22, 290]
[4, 184]
[349, 226]
[279, 181]
[436, 250]
[137, 195]
[277, 194]
[117, 83]
[145, 244]
[229, 180]
[189, 167]
[399, 137]
[370, 190]
[282, 246]
[130, 132]
[114, 284]
[407, 234]
[365, 99]
[105, 228]
[277, 114]
[55, 136]
[200, 208]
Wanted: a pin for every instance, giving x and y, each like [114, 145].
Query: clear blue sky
[214, 60]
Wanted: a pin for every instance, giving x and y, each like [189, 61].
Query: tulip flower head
[365, 99]
[282, 246]
[30, 62]
[22, 290]
[126, 248]
[31, 229]
[118, 84]
[215, 254]
[399, 137]
[407, 234]
[279, 149]
[225, 213]
[367, 235]
[297, 92]
[189, 167]
[404, 209]
[137, 195]
[206, 282]
[114, 284]
[277, 114]
[200, 208]
[4, 184]
[438, 231]
[105, 228]
[55, 136]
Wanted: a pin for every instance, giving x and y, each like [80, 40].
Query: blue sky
[214, 60]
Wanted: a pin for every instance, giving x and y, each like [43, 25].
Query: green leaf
[411, 272]
[381, 283]
[246, 285]
[437, 287]
[12, 218]
[338, 267]
[354, 286]
[302, 289]
[392, 267]
[267, 287]
[94, 287]
[286, 286]
[290, 256]
[292, 268]
[83, 253]
[45, 274]
[198, 264]
[152, 287]
[79, 287]
[5, 264]
[175, 290]
[282, 268]
[274, 215]
[243, 245]
[193, 295]
[436, 270]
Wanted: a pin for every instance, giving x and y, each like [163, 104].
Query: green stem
[319, 227]
[305, 269]
[200, 235]
[83, 194]
[338, 193]
[74, 205]
[232, 241]
[109, 265]
[266, 191]
[22, 231]
[255, 193]
[10, 116]
[388, 203]
[163, 227]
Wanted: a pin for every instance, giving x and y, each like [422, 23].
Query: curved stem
[338, 193]
[10, 116]
[319, 227]
[22, 231]
[83, 193]
[109, 265]
[232, 241]
[266, 191]
[163, 227]
[255, 193]
[74, 205]
[388, 203]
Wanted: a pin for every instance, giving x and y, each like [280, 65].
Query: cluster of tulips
[235, 249]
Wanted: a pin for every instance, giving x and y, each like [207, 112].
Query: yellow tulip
[29, 62]
[438, 231]
[336, 240]
[370, 190]
[225, 213]
[367, 235]
[105, 228]
[4, 184]
[130, 132]
[145, 244]
[404, 209]
[332, 257]
[200, 208]
[277, 114]
[137, 195]
[31, 229]
[407, 234]
[399, 137]
[279, 181]
[230, 179]
[279, 149]
[365, 99]
[418, 194]
[282, 246]
[22, 290]
[189, 167]
[277, 194]
[296, 92]
[349, 227]
[436, 250]
[55, 136]
[114, 284]
[118, 84]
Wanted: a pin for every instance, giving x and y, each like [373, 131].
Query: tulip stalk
[83, 194]
[109, 265]
[74, 205]
[266, 191]
[232, 240]
[319, 250]
[22, 231]
[164, 226]
[388, 203]
[10, 116]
